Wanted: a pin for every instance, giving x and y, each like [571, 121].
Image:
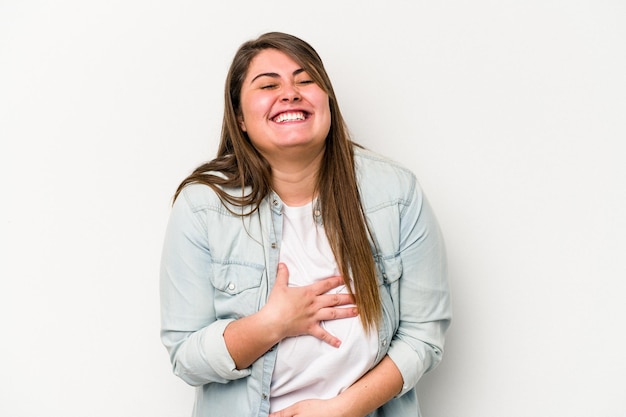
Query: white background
[512, 114]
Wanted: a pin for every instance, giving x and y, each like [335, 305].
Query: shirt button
[231, 286]
[265, 396]
[273, 245]
[384, 342]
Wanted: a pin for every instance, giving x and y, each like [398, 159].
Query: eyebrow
[275, 75]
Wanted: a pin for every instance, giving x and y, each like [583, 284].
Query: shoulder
[372, 164]
[201, 197]
[382, 179]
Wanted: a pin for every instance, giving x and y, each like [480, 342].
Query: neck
[294, 178]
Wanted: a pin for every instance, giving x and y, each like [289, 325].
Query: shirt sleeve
[190, 330]
[423, 293]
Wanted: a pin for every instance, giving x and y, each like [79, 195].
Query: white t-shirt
[306, 367]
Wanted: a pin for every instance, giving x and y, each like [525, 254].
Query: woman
[301, 274]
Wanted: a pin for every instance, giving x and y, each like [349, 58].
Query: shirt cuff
[409, 363]
[217, 353]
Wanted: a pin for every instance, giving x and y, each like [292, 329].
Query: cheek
[325, 105]
[322, 101]
[255, 105]
[253, 114]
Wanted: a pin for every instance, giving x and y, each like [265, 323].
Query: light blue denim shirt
[217, 267]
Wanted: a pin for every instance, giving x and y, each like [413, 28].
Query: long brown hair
[238, 164]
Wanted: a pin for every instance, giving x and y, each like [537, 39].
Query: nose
[290, 93]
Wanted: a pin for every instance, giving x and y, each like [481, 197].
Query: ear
[242, 123]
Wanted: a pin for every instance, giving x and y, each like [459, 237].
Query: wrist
[343, 406]
[270, 325]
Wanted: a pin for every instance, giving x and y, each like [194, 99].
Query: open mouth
[290, 116]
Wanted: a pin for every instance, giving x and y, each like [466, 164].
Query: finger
[282, 276]
[328, 284]
[327, 314]
[334, 300]
[324, 336]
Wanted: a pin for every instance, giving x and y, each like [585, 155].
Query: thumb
[282, 276]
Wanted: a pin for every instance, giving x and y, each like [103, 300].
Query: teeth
[289, 116]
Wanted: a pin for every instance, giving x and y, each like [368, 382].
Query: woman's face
[282, 108]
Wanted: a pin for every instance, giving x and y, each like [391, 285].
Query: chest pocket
[237, 289]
